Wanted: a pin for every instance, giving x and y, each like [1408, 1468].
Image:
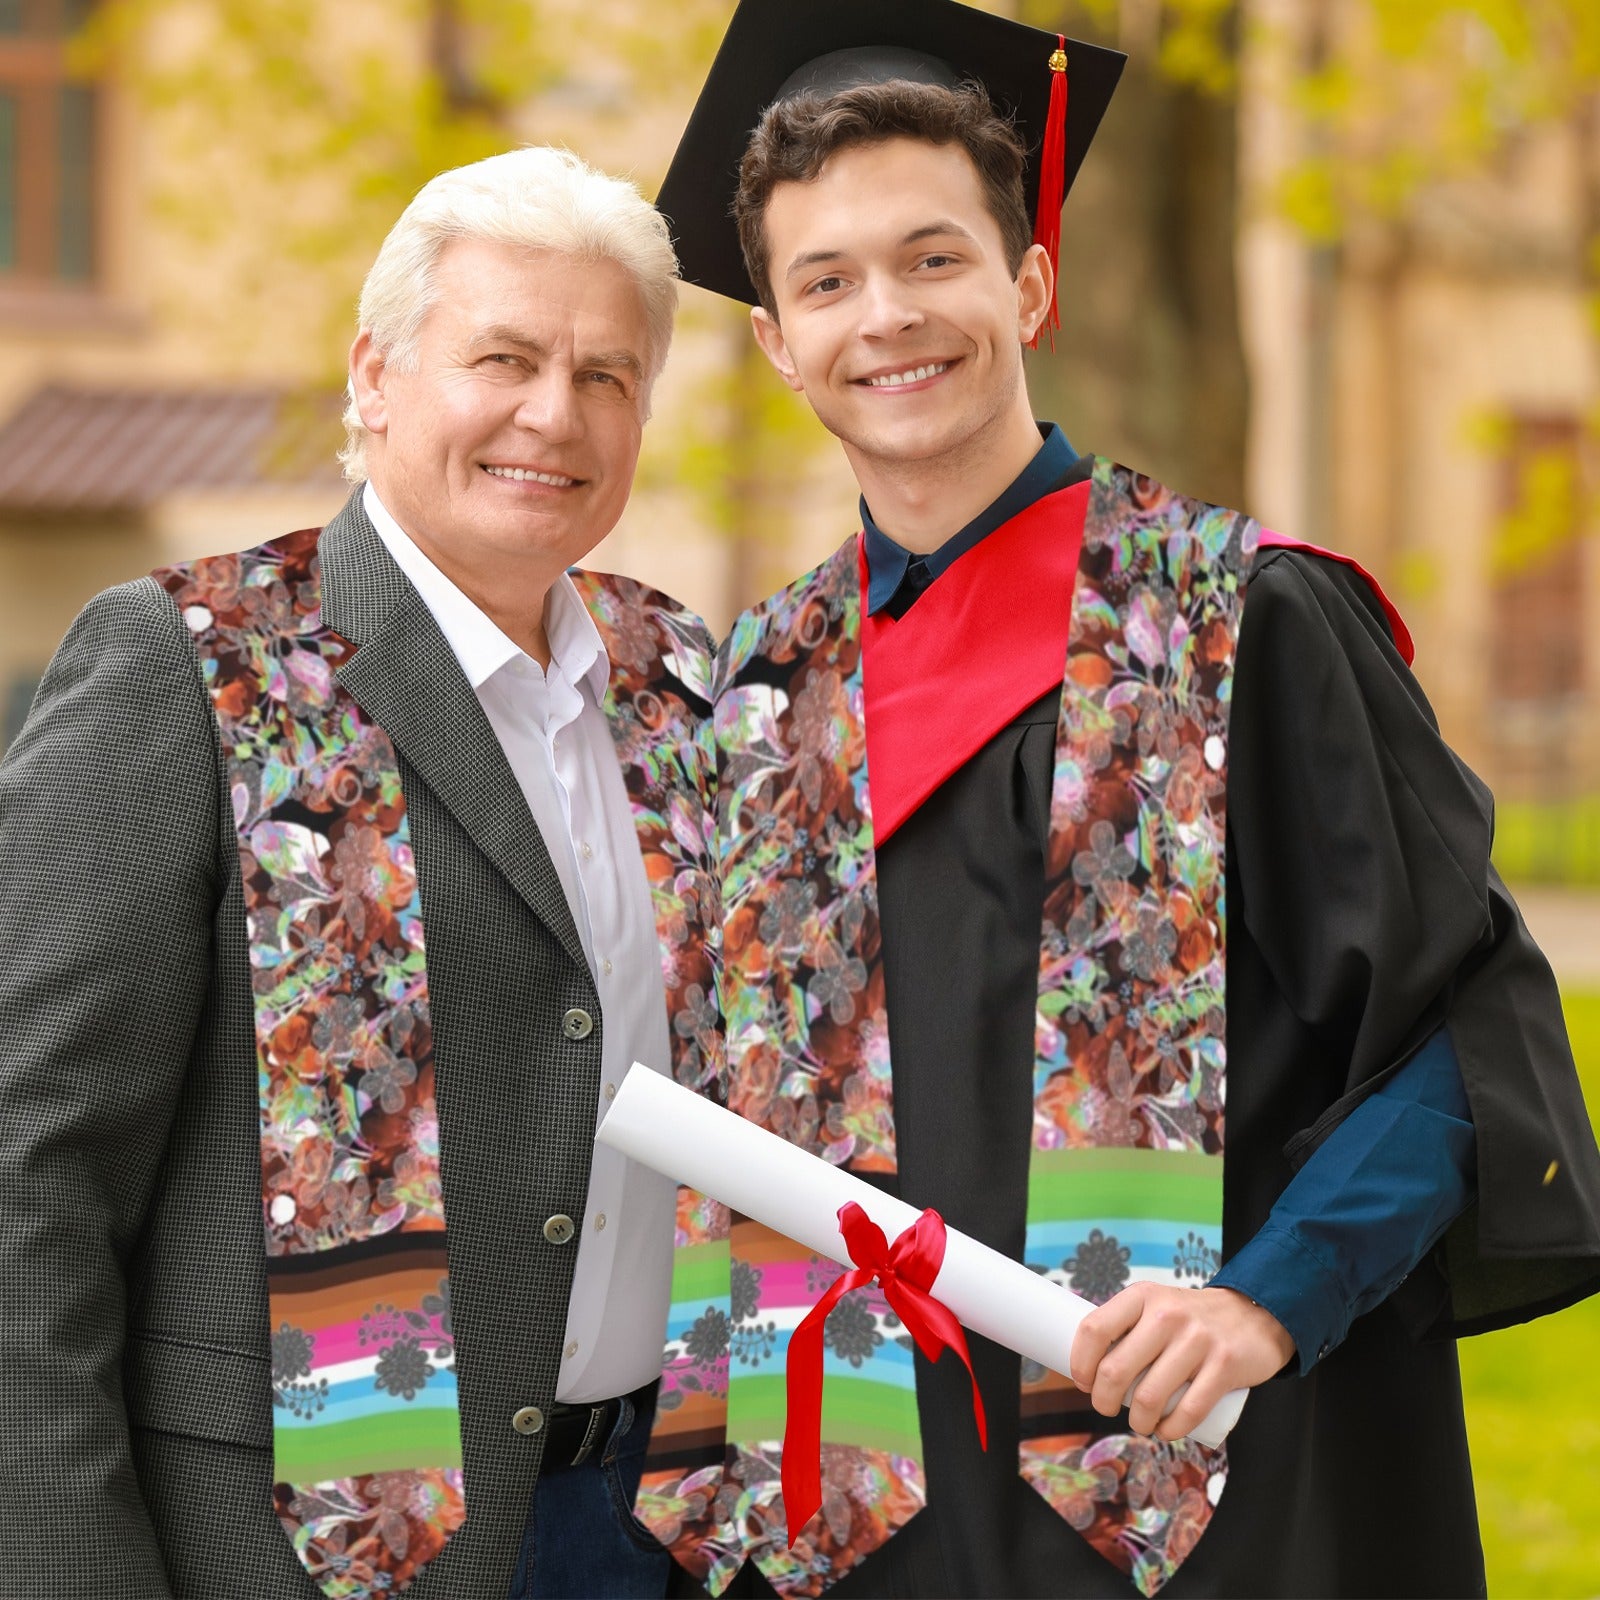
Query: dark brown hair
[795, 138]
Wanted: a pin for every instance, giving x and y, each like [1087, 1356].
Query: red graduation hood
[982, 644]
[1397, 624]
[979, 646]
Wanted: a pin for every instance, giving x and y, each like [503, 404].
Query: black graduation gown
[1363, 911]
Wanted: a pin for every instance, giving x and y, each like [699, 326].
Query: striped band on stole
[376, 1321]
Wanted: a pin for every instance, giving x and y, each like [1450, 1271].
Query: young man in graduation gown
[990, 777]
[343, 877]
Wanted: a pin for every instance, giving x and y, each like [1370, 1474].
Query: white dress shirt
[555, 737]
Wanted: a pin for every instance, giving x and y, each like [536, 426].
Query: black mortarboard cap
[777, 48]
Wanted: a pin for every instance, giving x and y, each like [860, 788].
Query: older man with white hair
[340, 880]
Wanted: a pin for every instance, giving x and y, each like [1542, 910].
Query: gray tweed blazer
[135, 1396]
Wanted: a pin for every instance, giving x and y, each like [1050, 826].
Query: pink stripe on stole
[784, 1284]
[341, 1343]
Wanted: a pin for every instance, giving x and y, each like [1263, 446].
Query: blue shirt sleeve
[1367, 1206]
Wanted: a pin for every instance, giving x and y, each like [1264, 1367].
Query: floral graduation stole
[367, 1436]
[1125, 1178]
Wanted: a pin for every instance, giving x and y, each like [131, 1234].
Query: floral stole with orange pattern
[1125, 1177]
[366, 1437]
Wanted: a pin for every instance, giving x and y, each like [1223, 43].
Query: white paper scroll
[678, 1133]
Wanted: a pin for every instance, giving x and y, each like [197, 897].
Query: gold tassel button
[1058, 62]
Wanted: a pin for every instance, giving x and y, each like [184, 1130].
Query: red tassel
[1052, 183]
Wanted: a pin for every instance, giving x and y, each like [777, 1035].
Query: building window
[48, 138]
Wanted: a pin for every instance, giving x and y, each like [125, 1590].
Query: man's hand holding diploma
[1215, 1340]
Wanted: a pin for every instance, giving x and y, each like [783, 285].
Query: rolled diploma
[680, 1134]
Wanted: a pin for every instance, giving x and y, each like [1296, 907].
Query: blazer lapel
[406, 677]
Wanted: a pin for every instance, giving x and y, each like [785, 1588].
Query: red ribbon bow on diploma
[906, 1269]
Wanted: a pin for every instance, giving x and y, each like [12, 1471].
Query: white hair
[537, 197]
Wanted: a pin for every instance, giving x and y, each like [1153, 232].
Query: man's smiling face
[898, 315]
[517, 430]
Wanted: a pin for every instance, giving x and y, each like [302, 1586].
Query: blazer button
[559, 1229]
[530, 1419]
[577, 1024]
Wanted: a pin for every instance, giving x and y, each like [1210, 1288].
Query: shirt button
[588, 850]
[559, 1229]
[600, 1223]
[611, 1091]
[605, 967]
[572, 1350]
[577, 1023]
[530, 1419]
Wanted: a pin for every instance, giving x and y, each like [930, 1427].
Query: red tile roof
[87, 450]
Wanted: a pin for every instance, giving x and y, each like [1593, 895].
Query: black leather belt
[574, 1433]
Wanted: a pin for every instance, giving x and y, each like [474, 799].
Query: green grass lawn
[1533, 1414]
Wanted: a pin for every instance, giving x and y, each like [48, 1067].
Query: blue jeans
[582, 1541]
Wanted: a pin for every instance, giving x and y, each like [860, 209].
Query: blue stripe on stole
[1151, 1243]
[680, 1319]
[361, 1397]
[889, 1362]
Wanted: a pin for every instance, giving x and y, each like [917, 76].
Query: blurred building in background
[1426, 385]
[191, 189]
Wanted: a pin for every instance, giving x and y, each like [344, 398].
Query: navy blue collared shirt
[1379, 1192]
[895, 575]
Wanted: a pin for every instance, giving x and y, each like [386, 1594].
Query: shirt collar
[477, 641]
[887, 561]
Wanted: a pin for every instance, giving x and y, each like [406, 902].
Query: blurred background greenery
[1533, 1422]
[1336, 262]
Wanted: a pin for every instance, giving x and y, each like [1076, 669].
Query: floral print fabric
[808, 1037]
[349, 1125]
[1126, 1177]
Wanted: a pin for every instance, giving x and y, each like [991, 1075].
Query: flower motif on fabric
[293, 1386]
[1194, 1258]
[707, 1341]
[785, 915]
[291, 1354]
[1098, 1269]
[744, 1296]
[1148, 946]
[404, 1369]
[1105, 862]
[851, 1330]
